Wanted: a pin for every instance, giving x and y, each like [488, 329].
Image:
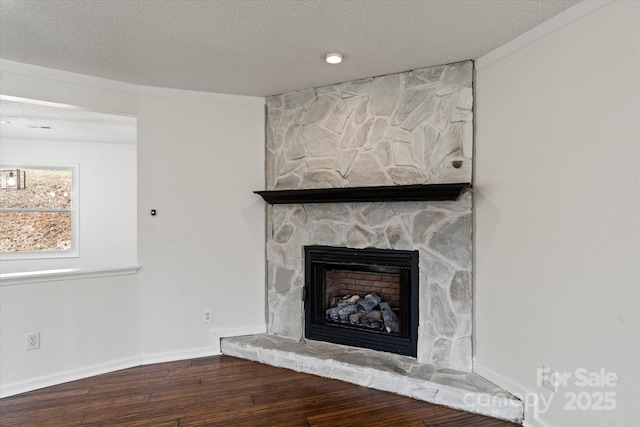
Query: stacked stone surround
[407, 128]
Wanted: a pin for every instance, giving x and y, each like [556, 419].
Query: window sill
[63, 274]
[19, 256]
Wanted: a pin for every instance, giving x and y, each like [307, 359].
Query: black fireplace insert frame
[319, 259]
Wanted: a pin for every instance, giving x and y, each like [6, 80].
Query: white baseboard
[212, 350]
[498, 379]
[63, 377]
[536, 422]
[146, 359]
[238, 332]
[530, 418]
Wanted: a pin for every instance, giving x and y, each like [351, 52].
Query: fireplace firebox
[362, 297]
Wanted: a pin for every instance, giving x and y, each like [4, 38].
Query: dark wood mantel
[387, 193]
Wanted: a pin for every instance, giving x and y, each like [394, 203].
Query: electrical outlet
[33, 340]
[549, 378]
[207, 315]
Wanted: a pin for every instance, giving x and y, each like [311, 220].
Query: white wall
[187, 252]
[87, 326]
[558, 213]
[199, 163]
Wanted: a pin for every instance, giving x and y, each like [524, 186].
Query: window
[38, 216]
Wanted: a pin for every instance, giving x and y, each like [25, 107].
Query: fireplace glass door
[362, 297]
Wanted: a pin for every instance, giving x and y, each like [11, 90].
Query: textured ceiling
[45, 121]
[258, 47]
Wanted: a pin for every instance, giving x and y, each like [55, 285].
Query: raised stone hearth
[383, 371]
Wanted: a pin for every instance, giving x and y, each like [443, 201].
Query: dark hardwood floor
[222, 391]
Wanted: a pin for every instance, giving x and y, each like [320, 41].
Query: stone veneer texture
[407, 128]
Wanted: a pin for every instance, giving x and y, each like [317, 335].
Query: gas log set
[369, 312]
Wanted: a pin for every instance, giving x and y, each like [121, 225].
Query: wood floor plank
[53, 417]
[383, 413]
[31, 400]
[223, 391]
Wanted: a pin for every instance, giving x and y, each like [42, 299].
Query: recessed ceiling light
[4, 122]
[333, 58]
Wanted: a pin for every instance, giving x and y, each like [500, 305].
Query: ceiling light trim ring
[333, 58]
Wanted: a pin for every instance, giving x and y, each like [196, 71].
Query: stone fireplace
[401, 129]
[352, 141]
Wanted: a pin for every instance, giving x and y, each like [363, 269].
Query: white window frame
[74, 252]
